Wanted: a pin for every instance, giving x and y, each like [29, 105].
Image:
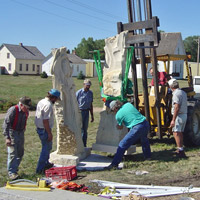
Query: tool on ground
[40, 185]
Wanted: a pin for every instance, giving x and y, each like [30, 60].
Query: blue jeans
[137, 132]
[46, 148]
[85, 121]
[15, 151]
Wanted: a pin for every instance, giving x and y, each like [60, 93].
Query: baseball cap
[171, 81]
[55, 93]
[112, 104]
[87, 82]
[25, 101]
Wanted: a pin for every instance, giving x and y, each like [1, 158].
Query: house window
[8, 55]
[175, 68]
[33, 67]
[20, 67]
[77, 68]
[9, 67]
[26, 67]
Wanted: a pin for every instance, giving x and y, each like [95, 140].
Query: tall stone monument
[70, 148]
[108, 136]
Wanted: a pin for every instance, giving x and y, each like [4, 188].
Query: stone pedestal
[67, 160]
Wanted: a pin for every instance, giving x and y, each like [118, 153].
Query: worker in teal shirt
[138, 127]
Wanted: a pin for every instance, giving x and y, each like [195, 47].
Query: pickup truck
[196, 85]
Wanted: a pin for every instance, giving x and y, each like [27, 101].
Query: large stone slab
[108, 136]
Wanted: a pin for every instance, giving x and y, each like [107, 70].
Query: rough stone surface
[67, 113]
[115, 56]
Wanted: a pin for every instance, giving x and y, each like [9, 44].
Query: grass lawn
[164, 168]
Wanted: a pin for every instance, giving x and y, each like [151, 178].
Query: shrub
[81, 75]
[43, 75]
[15, 73]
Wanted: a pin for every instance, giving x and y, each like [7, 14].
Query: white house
[22, 59]
[170, 43]
[76, 63]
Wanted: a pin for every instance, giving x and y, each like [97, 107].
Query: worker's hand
[119, 127]
[92, 118]
[50, 137]
[172, 124]
[8, 142]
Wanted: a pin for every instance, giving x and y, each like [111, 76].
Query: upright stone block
[70, 147]
[108, 136]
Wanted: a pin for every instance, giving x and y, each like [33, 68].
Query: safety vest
[16, 118]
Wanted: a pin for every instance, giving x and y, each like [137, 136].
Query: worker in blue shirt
[85, 98]
[128, 115]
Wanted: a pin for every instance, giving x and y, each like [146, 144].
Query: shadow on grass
[169, 141]
[161, 156]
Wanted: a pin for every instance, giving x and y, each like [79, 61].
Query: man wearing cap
[13, 129]
[85, 98]
[128, 115]
[44, 121]
[179, 112]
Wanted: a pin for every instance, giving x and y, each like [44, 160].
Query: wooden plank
[141, 38]
[149, 24]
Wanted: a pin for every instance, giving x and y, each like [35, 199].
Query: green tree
[85, 46]
[191, 47]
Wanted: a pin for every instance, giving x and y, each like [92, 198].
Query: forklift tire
[191, 135]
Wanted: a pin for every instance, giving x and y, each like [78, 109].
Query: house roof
[168, 43]
[24, 52]
[72, 59]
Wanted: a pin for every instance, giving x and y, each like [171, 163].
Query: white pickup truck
[196, 85]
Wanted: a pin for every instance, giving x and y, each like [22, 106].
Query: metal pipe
[133, 64]
[139, 13]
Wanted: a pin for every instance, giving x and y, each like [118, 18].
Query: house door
[38, 69]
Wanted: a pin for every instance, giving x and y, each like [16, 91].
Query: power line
[62, 17]
[61, 6]
[93, 8]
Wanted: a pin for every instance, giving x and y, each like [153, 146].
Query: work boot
[180, 154]
[49, 165]
[111, 166]
[13, 176]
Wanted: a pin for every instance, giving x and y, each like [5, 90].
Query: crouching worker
[13, 129]
[44, 121]
[138, 127]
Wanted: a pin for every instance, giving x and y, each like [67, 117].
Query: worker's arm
[176, 110]
[48, 129]
[91, 112]
[7, 125]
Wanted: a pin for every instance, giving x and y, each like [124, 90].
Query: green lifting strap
[122, 97]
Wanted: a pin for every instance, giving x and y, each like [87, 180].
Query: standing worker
[179, 112]
[44, 121]
[128, 115]
[14, 127]
[85, 98]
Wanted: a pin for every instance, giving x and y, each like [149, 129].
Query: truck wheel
[191, 135]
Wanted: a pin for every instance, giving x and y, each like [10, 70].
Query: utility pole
[198, 41]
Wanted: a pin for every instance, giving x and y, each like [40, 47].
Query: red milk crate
[59, 173]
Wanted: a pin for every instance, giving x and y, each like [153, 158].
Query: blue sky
[49, 24]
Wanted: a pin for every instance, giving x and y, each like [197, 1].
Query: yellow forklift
[192, 129]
